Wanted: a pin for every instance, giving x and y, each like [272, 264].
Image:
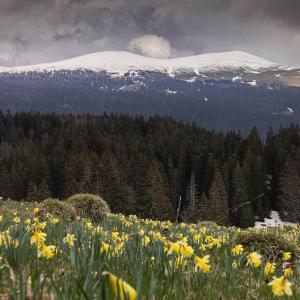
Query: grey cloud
[33, 31]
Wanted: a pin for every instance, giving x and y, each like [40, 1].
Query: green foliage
[89, 206]
[57, 208]
[270, 243]
[143, 166]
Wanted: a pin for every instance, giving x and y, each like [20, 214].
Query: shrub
[208, 224]
[269, 243]
[57, 208]
[89, 206]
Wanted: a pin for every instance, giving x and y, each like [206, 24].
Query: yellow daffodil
[69, 239]
[121, 289]
[104, 247]
[269, 268]
[42, 225]
[16, 220]
[202, 247]
[47, 251]
[202, 263]
[38, 238]
[287, 256]
[186, 250]
[36, 210]
[281, 286]
[234, 264]
[54, 220]
[237, 250]
[254, 259]
[288, 272]
[146, 240]
[89, 225]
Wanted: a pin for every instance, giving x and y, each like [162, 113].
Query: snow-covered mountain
[118, 63]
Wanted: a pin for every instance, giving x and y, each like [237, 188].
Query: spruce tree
[43, 191]
[32, 192]
[290, 192]
[241, 210]
[160, 205]
[218, 200]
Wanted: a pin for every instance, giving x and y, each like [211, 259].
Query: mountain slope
[118, 63]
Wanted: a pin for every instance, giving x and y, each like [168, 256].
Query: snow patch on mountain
[118, 63]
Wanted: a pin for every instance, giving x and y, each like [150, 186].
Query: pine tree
[242, 213]
[71, 187]
[290, 192]
[255, 182]
[43, 191]
[218, 200]
[160, 204]
[32, 192]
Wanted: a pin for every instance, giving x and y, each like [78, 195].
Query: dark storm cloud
[33, 31]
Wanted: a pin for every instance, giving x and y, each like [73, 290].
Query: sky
[36, 31]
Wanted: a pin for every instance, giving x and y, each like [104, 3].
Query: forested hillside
[218, 104]
[143, 166]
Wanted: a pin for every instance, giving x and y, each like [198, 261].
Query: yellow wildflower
[186, 250]
[69, 239]
[47, 251]
[1, 219]
[281, 286]
[89, 225]
[288, 272]
[269, 268]
[104, 247]
[54, 220]
[38, 238]
[287, 256]
[237, 250]
[36, 210]
[16, 220]
[203, 263]
[234, 264]
[42, 225]
[146, 240]
[203, 247]
[121, 289]
[254, 259]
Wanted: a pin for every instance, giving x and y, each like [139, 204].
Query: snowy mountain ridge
[118, 63]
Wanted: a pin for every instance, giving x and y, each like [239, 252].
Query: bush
[57, 208]
[89, 206]
[208, 224]
[269, 243]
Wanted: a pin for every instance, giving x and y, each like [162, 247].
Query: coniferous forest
[145, 166]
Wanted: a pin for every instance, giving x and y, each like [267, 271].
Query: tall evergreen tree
[160, 205]
[32, 192]
[242, 213]
[218, 200]
[290, 192]
[43, 191]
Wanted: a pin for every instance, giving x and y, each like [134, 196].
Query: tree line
[145, 166]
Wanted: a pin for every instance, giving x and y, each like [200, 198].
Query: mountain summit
[121, 62]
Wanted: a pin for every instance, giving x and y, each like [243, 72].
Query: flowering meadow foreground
[131, 258]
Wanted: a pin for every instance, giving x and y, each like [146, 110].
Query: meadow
[43, 256]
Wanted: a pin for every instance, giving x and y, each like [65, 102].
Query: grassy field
[131, 258]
